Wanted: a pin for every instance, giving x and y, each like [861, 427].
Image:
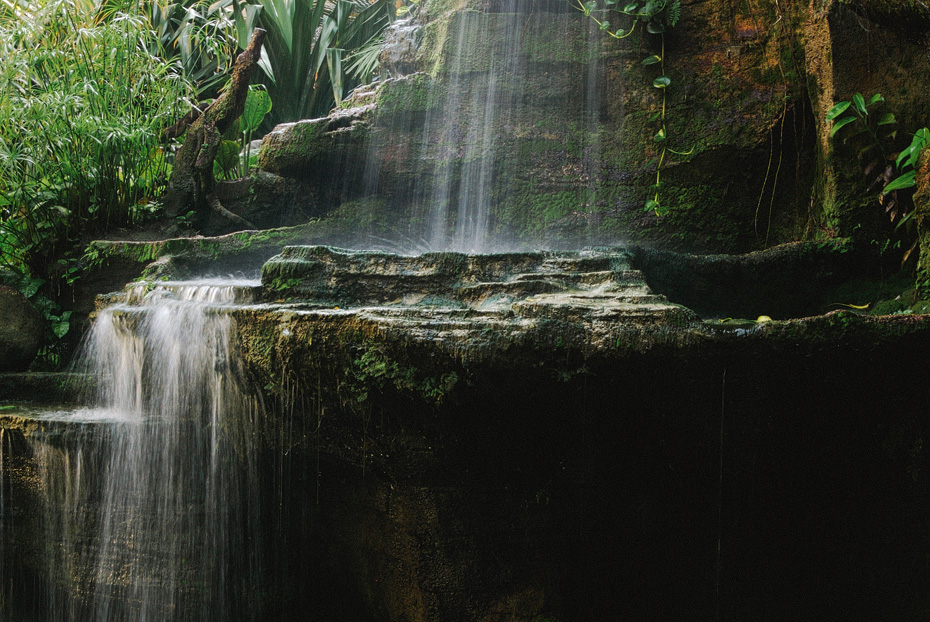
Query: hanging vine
[655, 16]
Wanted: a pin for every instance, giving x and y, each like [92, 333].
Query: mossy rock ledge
[450, 436]
[540, 433]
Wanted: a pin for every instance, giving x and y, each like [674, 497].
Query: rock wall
[528, 454]
[573, 157]
[869, 47]
[21, 333]
[541, 436]
[573, 461]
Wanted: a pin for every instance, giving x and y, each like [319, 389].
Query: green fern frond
[673, 13]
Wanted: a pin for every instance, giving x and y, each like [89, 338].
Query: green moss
[415, 93]
[372, 371]
[528, 209]
[482, 37]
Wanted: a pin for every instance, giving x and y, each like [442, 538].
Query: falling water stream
[151, 492]
[500, 112]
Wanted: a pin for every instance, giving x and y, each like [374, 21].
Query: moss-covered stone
[564, 132]
[44, 388]
[439, 398]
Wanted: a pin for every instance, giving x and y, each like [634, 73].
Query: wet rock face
[583, 286]
[399, 50]
[525, 436]
[528, 113]
[540, 434]
[892, 60]
[558, 141]
[21, 331]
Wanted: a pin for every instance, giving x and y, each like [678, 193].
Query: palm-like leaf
[307, 44]
[200, 34]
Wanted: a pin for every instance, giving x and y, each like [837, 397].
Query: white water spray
[152, 497]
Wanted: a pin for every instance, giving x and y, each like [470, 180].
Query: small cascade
[505, 97]
[151, 492]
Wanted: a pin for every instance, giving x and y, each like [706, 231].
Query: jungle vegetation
[88, 88]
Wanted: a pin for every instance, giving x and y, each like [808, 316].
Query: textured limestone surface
[450, 436]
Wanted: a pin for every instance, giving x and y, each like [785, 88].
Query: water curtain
[152, 493]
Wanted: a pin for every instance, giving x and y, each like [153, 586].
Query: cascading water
[508, 98]
[151, 493]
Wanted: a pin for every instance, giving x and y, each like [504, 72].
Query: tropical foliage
[84, 96]
[315, 51]
[200, 35]
[88, 88]
[92, 85]
[873, 134]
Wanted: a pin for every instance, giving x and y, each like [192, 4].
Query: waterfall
[151, 492]
[504, 140]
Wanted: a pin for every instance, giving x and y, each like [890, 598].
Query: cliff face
[536, 436]
[541, 435]
[532, 114]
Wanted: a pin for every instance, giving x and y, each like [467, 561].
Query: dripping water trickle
[151, 490]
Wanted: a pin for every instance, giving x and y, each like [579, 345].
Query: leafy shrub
[310, 48]
[200, 35]
[886, 173]
[84, 97]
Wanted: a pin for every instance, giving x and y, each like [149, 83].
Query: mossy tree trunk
[192, 184]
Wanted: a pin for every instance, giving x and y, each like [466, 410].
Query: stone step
[373, 277]
[547, 282]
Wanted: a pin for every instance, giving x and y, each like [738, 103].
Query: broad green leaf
[655, 115]
[245, 17]
[257, 105]
[651, 7]
[227, 156]
[907, 180]
[875, 99]
[651, 206]
[839, 124]
[661, 82]
[61, 328]
[630, 8]
[920, 140]
[906, 158]
[605, 25]
[660, 136]
[589, 7]
[31, 286]
[652, 60]
[837, 110]
[859, 103]
[887, 119]
[334, 62]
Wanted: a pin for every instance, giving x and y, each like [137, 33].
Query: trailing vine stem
[656, 16]
[654, 204]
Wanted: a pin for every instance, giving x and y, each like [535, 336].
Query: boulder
[21, 331]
